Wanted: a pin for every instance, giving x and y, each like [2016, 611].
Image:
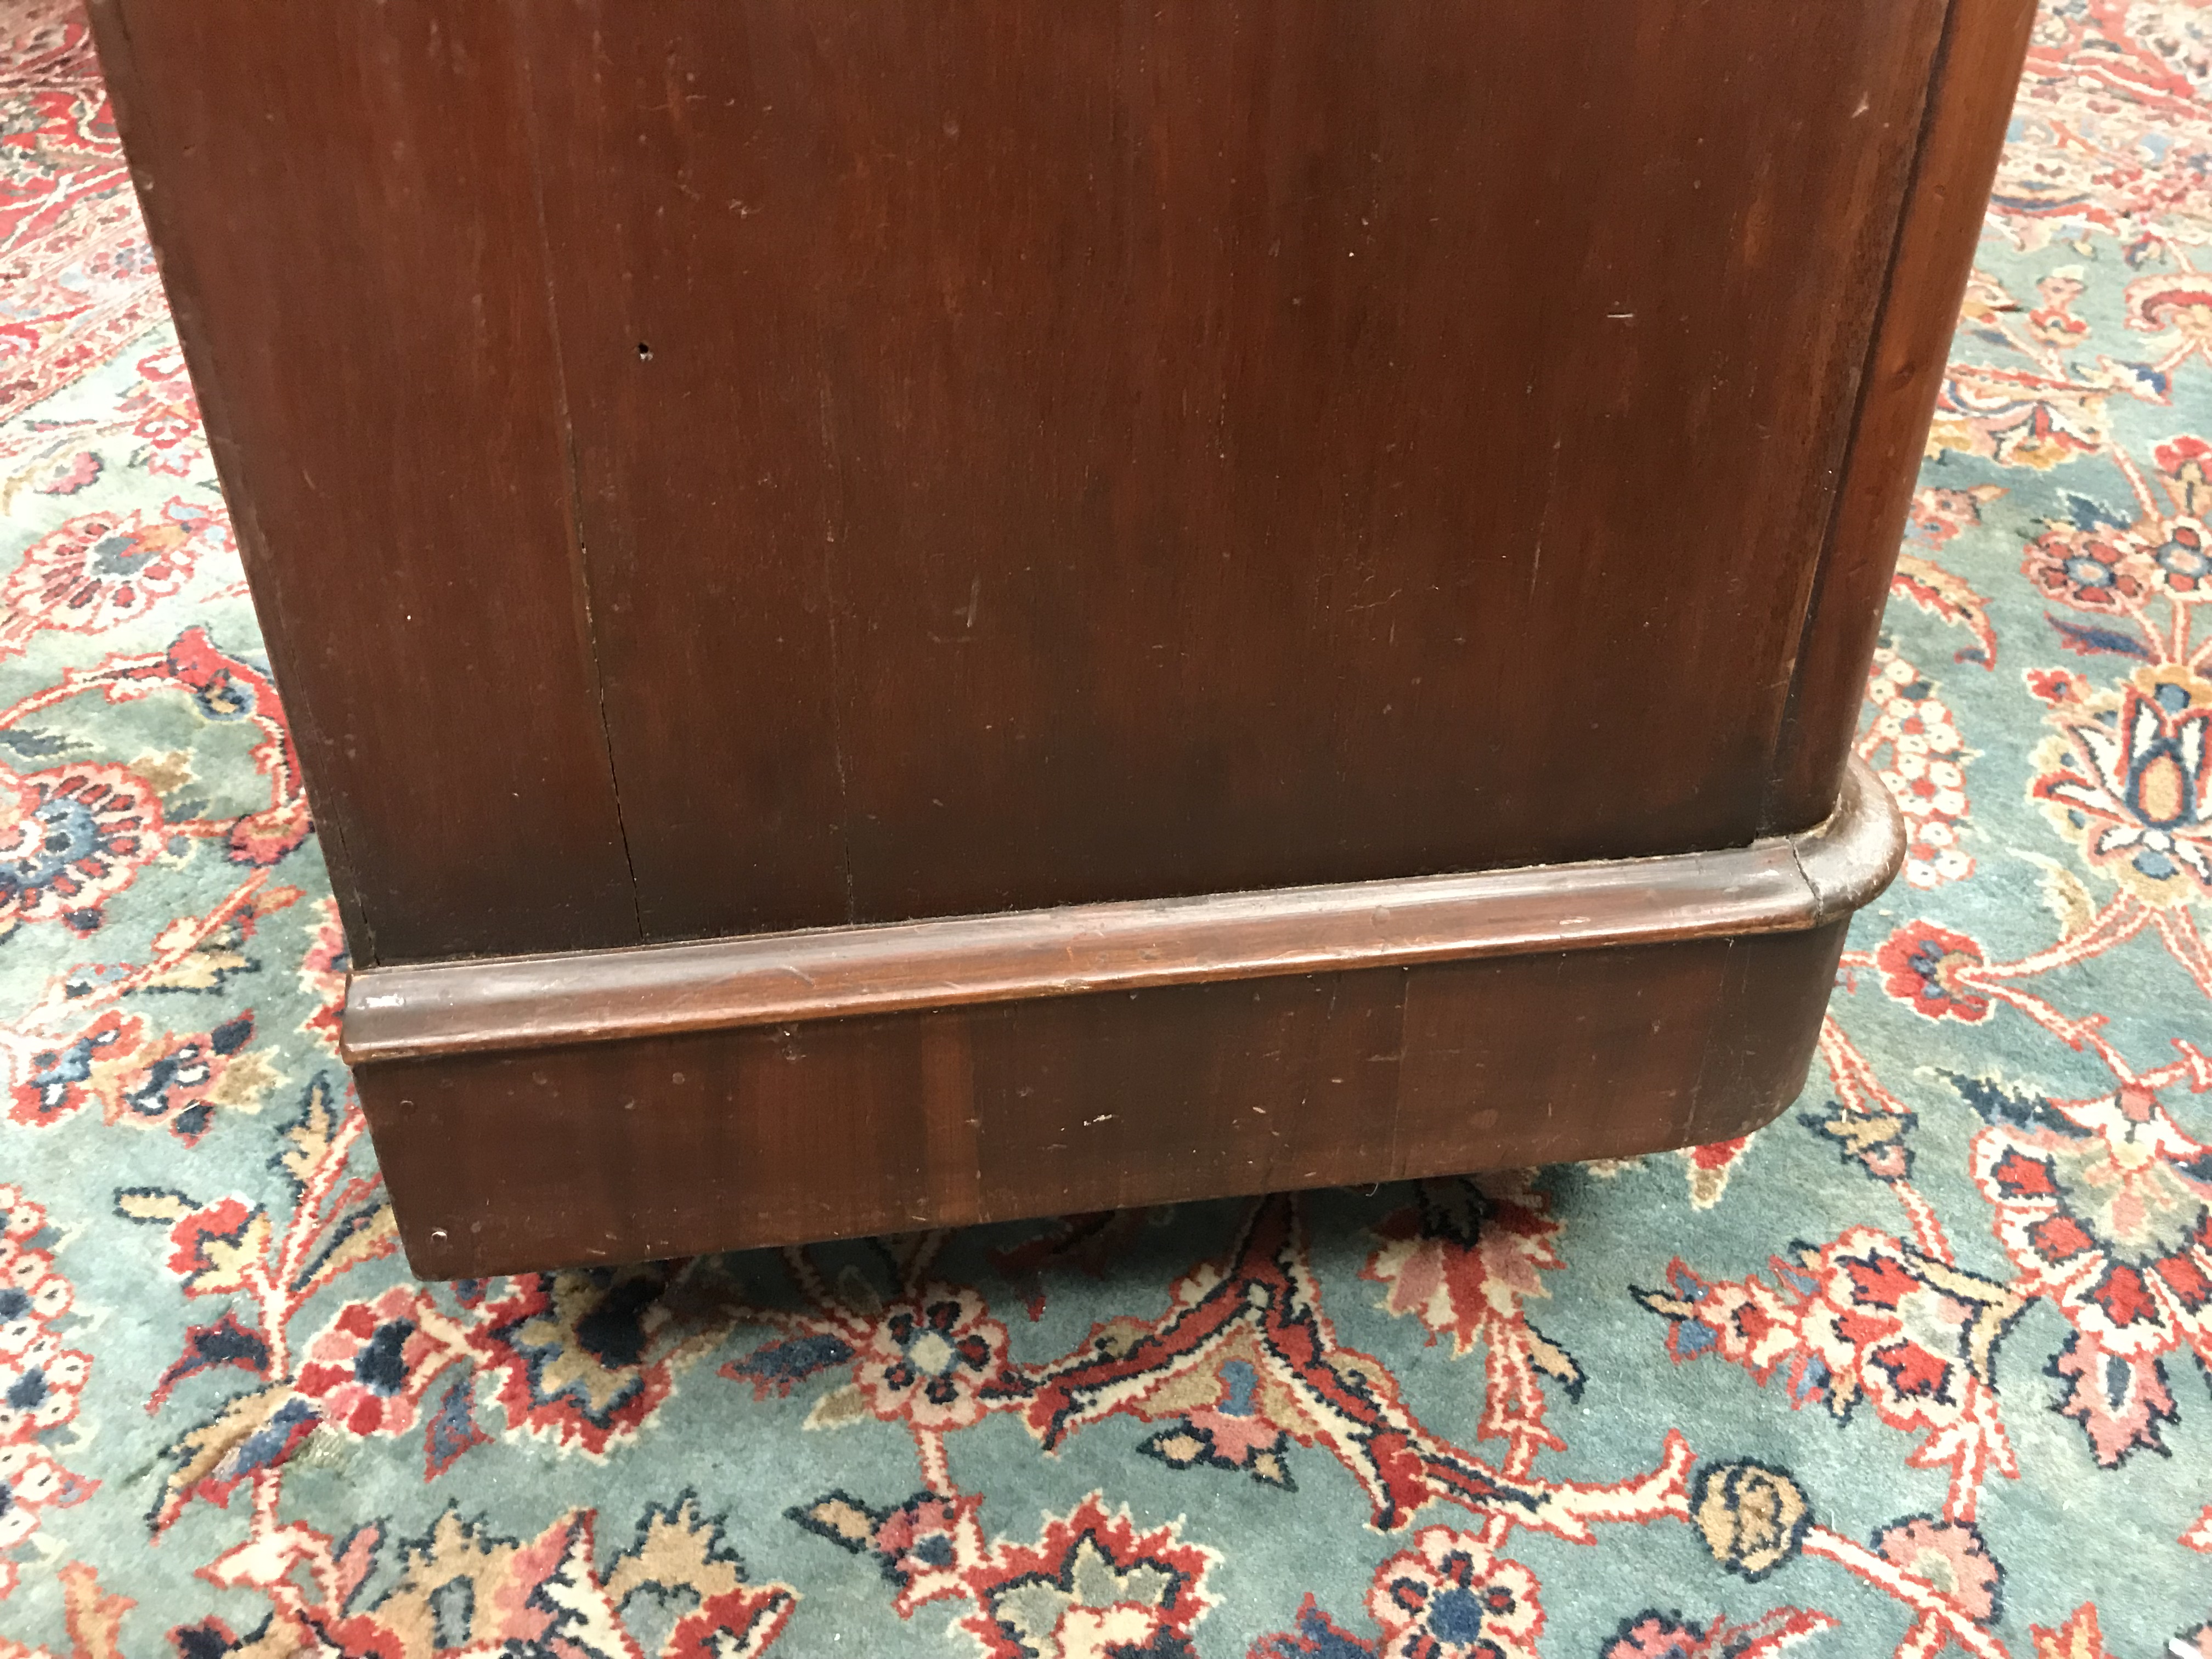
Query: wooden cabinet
[906, 612]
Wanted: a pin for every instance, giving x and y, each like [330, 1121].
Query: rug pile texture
[1920, 1369]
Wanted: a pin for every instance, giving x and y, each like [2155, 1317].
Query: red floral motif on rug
[75, 265]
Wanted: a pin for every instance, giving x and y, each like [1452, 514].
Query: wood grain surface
[1035, 453]
[1140, 579]
[787, 466]
[1984, 42]
[341, 198]
[710, 1140]
[598, 996]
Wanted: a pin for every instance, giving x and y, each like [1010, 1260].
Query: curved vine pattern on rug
[41, 1379]
[74, 257]
[77, 835]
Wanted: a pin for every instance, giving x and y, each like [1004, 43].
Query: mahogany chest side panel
[1151, 601]
[1034, 453]
[341, 198]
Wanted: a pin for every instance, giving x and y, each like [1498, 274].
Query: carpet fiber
[1921, 1367]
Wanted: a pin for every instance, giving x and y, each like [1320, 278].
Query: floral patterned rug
[1922, 1367]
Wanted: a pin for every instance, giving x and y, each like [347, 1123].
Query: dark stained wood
[1183, 599]
[534, 1002]
[341, 198]
[1984, 43]
[1094, 452]
[727, 1140]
